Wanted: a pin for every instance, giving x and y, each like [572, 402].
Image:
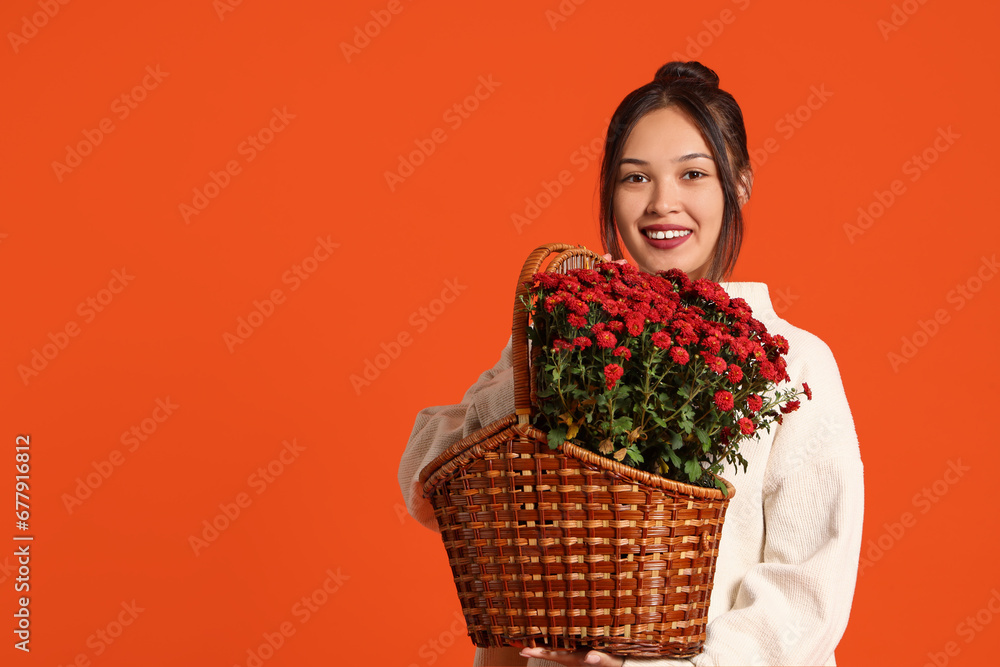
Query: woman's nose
[665, 198]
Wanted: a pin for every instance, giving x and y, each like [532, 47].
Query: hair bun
[691, 70]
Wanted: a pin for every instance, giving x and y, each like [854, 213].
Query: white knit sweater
[783, 593]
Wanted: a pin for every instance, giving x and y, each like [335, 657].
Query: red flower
[735, 373]
[605, 339]
[746, 426]
[623, 351]
[684, 332]
[582, 342]
[724, 400]
[547, 280]
[610, 306]
[635, 322]
[613, 373]
[717, 364]
[790, 406]
[741, 347]
[559, 345]
[755, 402]
[616, 326]
[680, 355]
[805, 388]
[661, 340]
[554, 300]
[781, 342]
[711, 291]
[782, 369]
[577, 321]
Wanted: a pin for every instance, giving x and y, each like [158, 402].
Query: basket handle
[519, 331]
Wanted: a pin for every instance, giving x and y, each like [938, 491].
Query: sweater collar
[755, 294]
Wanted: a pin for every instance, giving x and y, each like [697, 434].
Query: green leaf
[676, 442]
[675, 460]
[722, 486]
[693, 470]
[557, 436]
[665, 400]
[622, 425]
[706, 442]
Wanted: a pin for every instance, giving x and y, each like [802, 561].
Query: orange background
[335, 505]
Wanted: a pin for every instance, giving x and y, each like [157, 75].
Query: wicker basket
[565, 548]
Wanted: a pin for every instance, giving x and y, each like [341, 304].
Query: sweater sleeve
[792, 608]
[437, 428]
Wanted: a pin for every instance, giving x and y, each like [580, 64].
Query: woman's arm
[437, 428]
[792, 608]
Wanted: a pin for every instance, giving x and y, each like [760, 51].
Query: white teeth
[672, 234]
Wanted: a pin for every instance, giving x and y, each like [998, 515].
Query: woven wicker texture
[566, 548]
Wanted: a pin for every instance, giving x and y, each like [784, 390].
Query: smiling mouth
[669, 234]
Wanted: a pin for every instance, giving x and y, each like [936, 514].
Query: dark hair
[694, 89]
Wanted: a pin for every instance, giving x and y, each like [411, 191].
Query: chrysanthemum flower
[724, 400]
[613, 373]
[680, 355]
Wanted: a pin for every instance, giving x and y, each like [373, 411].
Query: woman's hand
[575, 658]
[607, 258]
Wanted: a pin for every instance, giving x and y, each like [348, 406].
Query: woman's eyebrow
[683, 158]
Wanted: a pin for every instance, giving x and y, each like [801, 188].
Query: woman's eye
[633, 178]
[694, 175]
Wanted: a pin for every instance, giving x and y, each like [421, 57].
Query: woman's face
[668, 200]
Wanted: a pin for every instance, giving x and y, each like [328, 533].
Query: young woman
[674, 176]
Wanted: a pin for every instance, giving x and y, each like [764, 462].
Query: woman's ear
[745, 187]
